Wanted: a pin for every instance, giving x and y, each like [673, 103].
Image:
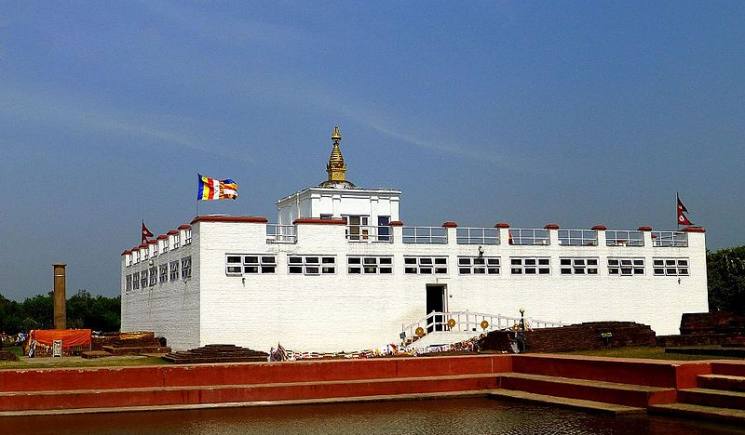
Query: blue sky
[527, 112]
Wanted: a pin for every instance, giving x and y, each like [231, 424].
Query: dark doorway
[436, 302]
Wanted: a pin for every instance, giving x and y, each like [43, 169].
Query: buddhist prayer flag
[145, 233]
[211, 189]
[682, 210]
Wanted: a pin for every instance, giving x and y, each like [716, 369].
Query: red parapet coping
[185, 226]
[152, 242]
[694, 229]
[551, 226]
[396, 223]
[103, 378]
[450, 224]
[126, 252]
[235, 219]
[502, 225]
[645, 228]
[599, 228]
[317, 221]
[142, 246]
[162, 237]
[173, 233]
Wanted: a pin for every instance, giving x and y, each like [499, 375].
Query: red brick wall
[582, 336]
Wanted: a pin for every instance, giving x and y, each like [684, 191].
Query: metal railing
[578, 238]
[425, 235]
[276, 233]
[477, 236]
[523, 236]
[674, 239]
[368, 233]
[467, 321]
[624, 238]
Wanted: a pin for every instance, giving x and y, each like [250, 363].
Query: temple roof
[336, 168]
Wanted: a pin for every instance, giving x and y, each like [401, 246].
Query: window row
[670, 266]
[242, 264]
[478, 265]
[171, 243]
[159, 274]
[369, 265]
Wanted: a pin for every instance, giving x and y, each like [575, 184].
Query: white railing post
[600, 229]
[451, 231]
[647, 235]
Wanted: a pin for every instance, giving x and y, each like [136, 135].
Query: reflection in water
[471, 416]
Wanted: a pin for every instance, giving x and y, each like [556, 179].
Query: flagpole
[677, 201]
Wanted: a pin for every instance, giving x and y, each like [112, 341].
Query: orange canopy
[70, 337]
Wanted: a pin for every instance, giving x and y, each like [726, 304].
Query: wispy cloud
[292, 91]
[28, 103]
[223, 28]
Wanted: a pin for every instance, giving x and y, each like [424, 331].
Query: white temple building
[340, 271]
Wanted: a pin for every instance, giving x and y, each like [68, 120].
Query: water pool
[469, 416]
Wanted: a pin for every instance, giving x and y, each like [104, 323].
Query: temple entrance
[436, 301]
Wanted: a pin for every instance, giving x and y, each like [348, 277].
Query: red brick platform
[601, 384]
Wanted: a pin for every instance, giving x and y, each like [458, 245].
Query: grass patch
[76, 361]
[644, 353]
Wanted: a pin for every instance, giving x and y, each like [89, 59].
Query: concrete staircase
[595, 384]
[718, 396]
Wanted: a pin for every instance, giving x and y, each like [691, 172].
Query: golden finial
[336, 135]
[336, 167]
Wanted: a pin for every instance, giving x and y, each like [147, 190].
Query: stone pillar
[60, 313]
[600, 229]
[553, 234]
[451, 231]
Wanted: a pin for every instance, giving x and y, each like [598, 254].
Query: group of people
[12, 339]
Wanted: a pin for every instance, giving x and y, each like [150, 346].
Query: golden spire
[336, 167]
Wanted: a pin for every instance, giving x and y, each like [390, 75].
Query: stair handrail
[469, 321]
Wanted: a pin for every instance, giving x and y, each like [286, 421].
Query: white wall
[170, 309]
[350, 312]
[314, 202]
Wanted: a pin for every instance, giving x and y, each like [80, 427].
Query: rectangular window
[530, 266]
[153, 275]
[176, 241]
[146, 254]
[241, 264]
[670, 266]
[384, 229]
[165, 245]
[128, 260]
[135, 280]
[174, 270]
[578, 266]
[359, 265]
[187, 238]
[163, 273]
[478, 265]
[143, 279]
[186, 267]
[155, 249]
[623, 266]
[311, 265]
[426, 265]
[357, 227]
[128, 287]
[135, 257]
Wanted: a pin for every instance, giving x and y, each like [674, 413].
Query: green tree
[726, 276]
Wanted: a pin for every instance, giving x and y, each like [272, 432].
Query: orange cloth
[70, 337]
